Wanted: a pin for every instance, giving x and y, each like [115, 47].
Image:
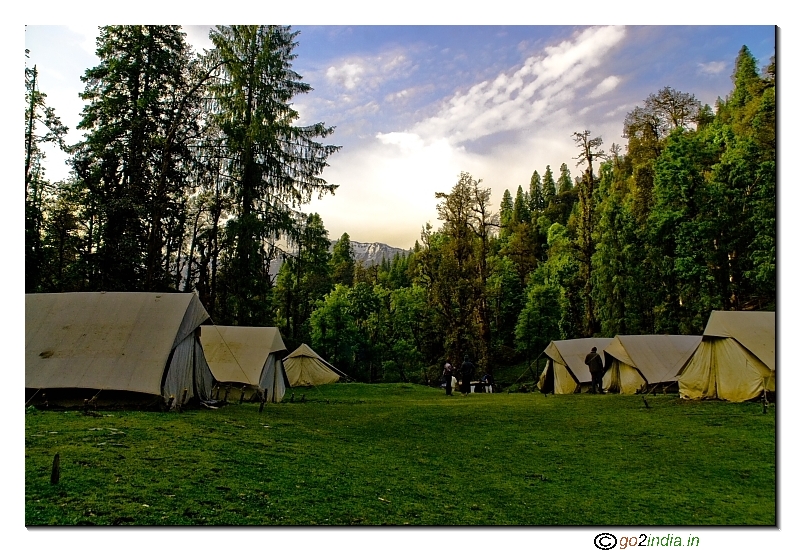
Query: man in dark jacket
[595, 364]
[467, 369]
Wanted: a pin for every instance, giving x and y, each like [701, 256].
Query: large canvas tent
[305, 367]
[735, 360]
[565, 371]
[635, 362]
[249, 357]
[122, 343]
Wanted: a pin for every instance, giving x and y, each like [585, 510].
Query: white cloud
[347, 75]
[712, 68]
[398, 96]
[516, 100]
[369, 72]
[607, 85]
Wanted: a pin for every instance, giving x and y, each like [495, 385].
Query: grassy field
[396, 454]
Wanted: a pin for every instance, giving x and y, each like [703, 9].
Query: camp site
[493, 276]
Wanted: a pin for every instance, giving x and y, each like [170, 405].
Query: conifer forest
[194, 170]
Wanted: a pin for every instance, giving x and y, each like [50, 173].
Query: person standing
[595, 364]
[488, 383]
[447, 376]
[467, 369]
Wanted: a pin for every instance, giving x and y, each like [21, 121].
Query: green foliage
[334, 331]
[506, 214]
[304, 279]
[272, 164]
[133, 162]
[505, 292]
[41, 126]
[343, 263]
[538, 320]
[564, 179]
[548, 187]
[522, 210]
[535, 194]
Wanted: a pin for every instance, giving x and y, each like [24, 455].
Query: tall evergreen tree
[522, 213]
[41, 126]
[548, 187]
[343, 262]
[132, 104]
[536, 193]
[589, 151]
[564, 179]
[303, 280]
[273, 166]
[506, 214]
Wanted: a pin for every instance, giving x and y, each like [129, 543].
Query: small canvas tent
[247, 357]
[129, 343]
[736, 359]
[635, 362]
[305, 367]
[565, 370]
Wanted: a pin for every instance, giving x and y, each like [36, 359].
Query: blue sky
[415, 105]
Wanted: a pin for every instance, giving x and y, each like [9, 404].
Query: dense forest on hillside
[193, 171]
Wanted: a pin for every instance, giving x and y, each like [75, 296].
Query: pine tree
[303, 279]
[38, 117]
[522, 213]
[506, 214]
[273, 165]
[564, 180]
[548, 187]
[589, 151]
[536, 193]
[131, 181]
[343, 262]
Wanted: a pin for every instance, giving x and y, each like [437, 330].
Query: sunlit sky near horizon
[413, 106]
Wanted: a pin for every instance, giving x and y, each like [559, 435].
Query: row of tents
[136, 343]
[733, 360]
[128, 344]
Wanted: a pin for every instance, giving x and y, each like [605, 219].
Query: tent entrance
[546, 380]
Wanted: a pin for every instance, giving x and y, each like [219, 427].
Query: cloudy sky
[414, 106]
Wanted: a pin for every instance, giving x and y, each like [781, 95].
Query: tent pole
[529, 370]
[32, 396]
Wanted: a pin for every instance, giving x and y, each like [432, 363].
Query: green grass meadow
[397, 454]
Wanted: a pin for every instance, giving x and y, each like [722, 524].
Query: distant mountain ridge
[373, 253]
[368, 253]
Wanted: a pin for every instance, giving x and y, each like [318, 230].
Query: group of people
[593, 361]
[466, 371]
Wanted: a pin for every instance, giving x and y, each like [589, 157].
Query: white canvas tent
[133, 342]
[247, 357]
[635, 362]
[566, 370]
[736, 359]
[305, 367]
